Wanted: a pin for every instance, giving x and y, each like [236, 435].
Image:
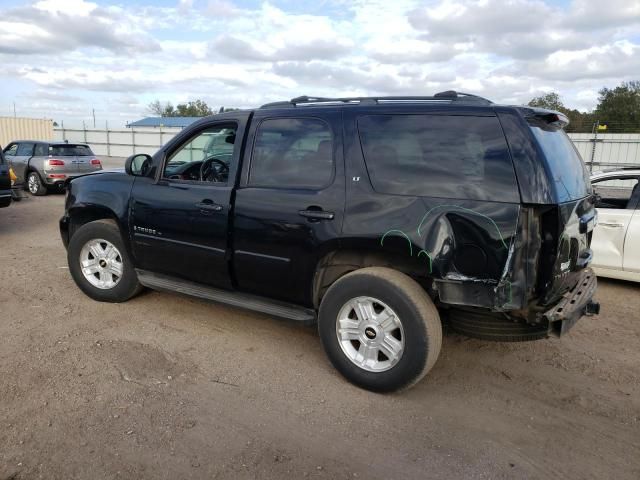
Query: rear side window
[25, 149]
[70, 150]
[449, 156]
[292, 153]
[40, 150]
[567, 169]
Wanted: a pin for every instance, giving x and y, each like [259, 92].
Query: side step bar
[158, 281]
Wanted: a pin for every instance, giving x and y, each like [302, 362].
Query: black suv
[5, 182]
[374, 217]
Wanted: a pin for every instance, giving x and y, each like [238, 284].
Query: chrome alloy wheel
[370, 334]
[101, 264]
[32, 183]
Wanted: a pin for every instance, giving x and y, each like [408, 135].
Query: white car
[616, 239]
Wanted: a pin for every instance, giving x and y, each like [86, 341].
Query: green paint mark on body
[504, 244]
[389, 232]
[429, 257]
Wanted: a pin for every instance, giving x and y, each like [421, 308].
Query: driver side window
[12, 150]
[617, 192]
[205, 157]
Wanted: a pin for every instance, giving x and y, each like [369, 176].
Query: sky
[64, 59]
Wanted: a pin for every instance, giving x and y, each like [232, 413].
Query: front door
[290, 206]
[179, 220]
[616, 206]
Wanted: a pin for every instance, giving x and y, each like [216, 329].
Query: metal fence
[600, 151]
[16, 128]
[118, 142]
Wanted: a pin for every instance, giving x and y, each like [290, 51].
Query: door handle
[208, 207]
[614, 225]
[317, 214]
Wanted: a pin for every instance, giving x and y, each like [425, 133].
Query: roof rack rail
[447, 96]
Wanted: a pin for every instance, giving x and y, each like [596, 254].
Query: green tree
[578, 121]
[550, 101]
[196, 108]
[619, 108]
[162, 109]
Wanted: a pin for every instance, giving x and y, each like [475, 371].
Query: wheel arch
[90, 213]
[340, 261]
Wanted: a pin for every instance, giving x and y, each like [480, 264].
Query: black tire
[494, 327]
[415, 310]
[127, 286]
[35, 185]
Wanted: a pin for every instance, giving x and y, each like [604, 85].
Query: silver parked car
[41, 166]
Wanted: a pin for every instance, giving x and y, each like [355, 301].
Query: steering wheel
[210, 174]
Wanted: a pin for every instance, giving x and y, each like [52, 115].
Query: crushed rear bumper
[574, 304]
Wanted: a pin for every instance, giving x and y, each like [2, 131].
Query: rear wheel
[35, 185]
[380, 329]
[99, 263]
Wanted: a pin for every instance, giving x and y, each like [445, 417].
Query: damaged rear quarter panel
[465, 249]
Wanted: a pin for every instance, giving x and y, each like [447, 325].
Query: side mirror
[137, 165]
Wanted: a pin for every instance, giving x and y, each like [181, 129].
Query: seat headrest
[324, 148]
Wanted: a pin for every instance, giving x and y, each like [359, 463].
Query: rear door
[77, 158]
[289, 207]
[83, 159]
[616, 207]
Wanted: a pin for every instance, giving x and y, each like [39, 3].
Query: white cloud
[121, 56]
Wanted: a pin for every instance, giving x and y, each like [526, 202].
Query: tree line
[195, 108]
[618, 110]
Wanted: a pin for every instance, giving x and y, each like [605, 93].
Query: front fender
[95, 197]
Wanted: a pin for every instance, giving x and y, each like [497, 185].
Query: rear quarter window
[567, 170]
[448, 156]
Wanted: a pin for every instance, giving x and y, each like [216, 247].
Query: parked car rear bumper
[574, 304]
[58, 180]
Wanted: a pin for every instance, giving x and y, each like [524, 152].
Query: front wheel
[35, 185]
[99, 263]
[380, 329]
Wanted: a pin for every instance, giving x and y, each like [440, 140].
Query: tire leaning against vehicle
[419, 318]
[35, 185]
[127, 286]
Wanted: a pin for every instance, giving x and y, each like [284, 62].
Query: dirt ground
[168, 387]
